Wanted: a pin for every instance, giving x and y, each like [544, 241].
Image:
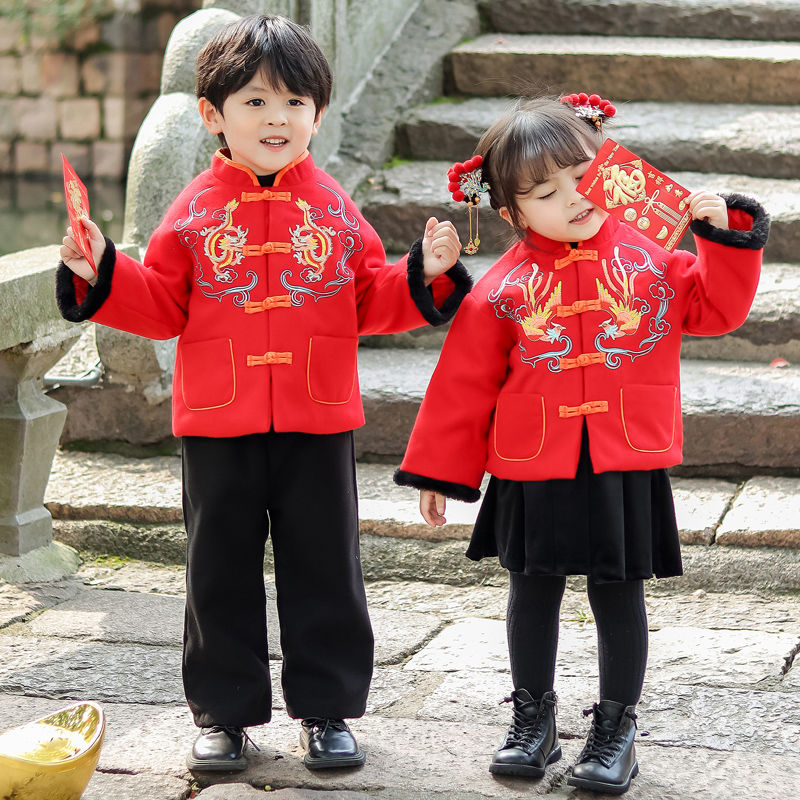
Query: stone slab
[105, 785]
[734, 610]
[95, 486]
[20, 601]
[629, 68]
[97, 615]
[157, 620]
[28, 311]
[741, 138]
[686, 655]
[676, 715]
[727, 19]
[714, 569]
[700, 506]
[670, 714]
[766, 512]
[71, 669]
[109, 486]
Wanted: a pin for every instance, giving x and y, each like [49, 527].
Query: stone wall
[78, 78]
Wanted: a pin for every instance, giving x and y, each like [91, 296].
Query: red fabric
[501, 399]
[224, 247]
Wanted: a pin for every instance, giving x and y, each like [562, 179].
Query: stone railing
[33, 337]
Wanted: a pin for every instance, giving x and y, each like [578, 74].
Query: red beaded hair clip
[466, 185]
[591, 107]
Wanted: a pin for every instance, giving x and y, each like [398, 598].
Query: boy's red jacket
[554, 335]
[268, 290]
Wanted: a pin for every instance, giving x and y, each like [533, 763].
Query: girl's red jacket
[268, 290]
[555, 335]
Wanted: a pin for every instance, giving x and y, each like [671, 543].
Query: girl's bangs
[549, 149]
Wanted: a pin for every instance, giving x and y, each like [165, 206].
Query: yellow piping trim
[209, 408]
[308, 383]
[528, 458]
[625, 427]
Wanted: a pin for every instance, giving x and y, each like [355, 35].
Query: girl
[560, 376]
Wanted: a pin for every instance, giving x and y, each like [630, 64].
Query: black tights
[534, 602]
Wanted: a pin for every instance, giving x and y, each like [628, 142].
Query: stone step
[744, 139]
[400, 198]
[87, 487]
[629, 68]
[724, 19]
[771, 331]
[739, 418]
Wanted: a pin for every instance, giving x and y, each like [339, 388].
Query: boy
[268, 289]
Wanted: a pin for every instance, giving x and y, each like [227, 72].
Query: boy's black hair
[282, 50]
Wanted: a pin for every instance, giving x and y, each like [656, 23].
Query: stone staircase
[718, 110]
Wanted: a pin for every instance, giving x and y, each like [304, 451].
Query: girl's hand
[432, 506]
[440, 248]
[71, 254]
[710, 207]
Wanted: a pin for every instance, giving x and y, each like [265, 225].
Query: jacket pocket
[648, 416]
[208, 374]
[519, 426]
[332, 367]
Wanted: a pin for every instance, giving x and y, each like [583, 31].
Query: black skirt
[612, 526]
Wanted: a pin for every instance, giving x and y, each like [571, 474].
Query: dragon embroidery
[312, 244]
[223, 243]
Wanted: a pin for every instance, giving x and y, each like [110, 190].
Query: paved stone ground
[719, 717]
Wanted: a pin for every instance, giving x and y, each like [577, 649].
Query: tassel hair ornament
[591, 107]
[466, 185]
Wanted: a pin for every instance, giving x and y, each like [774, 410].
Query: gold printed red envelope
[77, 200]
[637, 193]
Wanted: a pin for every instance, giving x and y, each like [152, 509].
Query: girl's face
[556, 210]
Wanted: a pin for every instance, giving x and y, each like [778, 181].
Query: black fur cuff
[422, 294]
[754, 239]
[456, 491]
[95, 295]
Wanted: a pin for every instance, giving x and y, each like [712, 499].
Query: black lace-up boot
[608, 760]
[219, 748]
[532, 739]
[329, 743]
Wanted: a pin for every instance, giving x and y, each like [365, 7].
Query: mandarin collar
[236, 174]
[535, 241]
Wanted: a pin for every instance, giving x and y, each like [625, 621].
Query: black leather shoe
[329, 743]
[607, 762]
[532, 739]
[218, 749]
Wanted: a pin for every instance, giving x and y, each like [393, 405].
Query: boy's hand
[71, 254]
[432, 506]
[440, 248]
[710, 207]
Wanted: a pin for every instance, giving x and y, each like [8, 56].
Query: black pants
[534, 602]
[301, 490]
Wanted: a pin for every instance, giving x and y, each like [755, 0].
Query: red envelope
[77, 206]
[640, 195]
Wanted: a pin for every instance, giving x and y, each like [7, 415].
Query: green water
[32, 212]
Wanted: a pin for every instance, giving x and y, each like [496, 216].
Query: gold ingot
[52, 758]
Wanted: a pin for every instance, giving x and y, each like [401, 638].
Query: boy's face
[265, 128]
